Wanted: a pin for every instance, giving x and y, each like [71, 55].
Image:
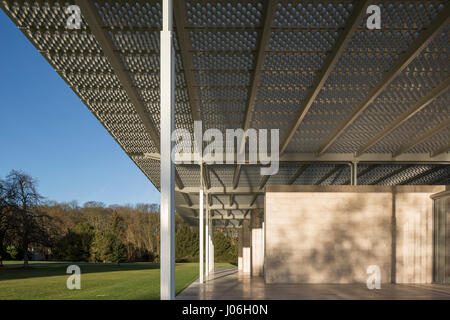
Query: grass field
[47, 280]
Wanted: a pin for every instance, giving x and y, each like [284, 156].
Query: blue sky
[46, 131]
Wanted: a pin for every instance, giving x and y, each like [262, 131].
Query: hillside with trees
[32, 227]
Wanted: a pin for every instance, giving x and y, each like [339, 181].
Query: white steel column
[264, 246]
[167, 214]
[201, 228]
[211, 246]
[240, 248]
[207, 240]
[354, 173]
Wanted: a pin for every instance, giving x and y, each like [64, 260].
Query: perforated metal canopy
[339, 92]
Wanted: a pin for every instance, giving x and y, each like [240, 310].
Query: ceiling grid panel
[280, 64]
[426, 72]
[396, 50]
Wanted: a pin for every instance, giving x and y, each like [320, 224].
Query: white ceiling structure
[338, 92]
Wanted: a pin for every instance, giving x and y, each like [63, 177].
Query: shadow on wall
[335, 248]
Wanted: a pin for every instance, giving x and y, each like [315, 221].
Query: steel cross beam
[90, 13]
[180, 185]
[106, 44]
[184, 42]
[230, 218]
[261, 185]
[299, 172]
[223, 207]
[422, 138]
[262, 44]
[393, 173]
[405, 116]
[401, 63]
[328, 174]
[264, 180]
[341, 158]
[442, 150]
[236, 175]
[332, 58]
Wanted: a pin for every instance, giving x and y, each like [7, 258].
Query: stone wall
[332, 234]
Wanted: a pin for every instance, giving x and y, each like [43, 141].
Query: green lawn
[47, 280]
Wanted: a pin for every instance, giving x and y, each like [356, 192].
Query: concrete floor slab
[229, 284]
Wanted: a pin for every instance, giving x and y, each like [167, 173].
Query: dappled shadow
[337, 249]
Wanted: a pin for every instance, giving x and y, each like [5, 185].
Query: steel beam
[405, 116]
[205, 175]
[201, 232]
[223, 207]
[344, 158]
[180, 185]
[261, 185]
[422, 138]
[328, 174]
[263, 182]
[440, 151]
[332, 58]
[252, 202]
[401, 63]
[209, 199]
[167, 214]
[226, 224]
[263, 43]
[184, 42]
[101, 34]
[93, 19]
[341, 158]
[235, 217]
[298, 173]
[236, 175]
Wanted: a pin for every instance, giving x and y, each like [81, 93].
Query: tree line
[30, 227]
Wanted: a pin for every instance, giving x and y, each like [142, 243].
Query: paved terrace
[228, 284]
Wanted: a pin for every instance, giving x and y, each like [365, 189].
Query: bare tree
[5, 221]
[30, 224]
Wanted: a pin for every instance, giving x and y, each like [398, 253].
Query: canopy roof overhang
[338, 92]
